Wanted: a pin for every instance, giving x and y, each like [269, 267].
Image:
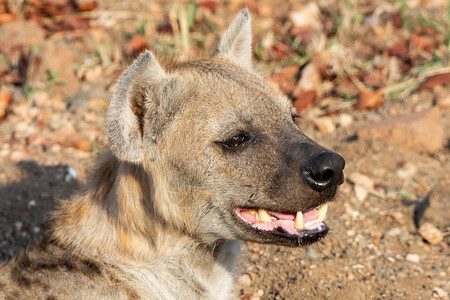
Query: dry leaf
[369, 100]
[434, 81]
[4, 18]
[285, 78]
[399, 49]
[5, 100]
[87, 6]
[304, 100]
[423, 42]
[136, 45]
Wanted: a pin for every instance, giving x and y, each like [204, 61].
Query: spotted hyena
[202, 153]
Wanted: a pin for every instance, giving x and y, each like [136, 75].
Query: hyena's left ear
[236, 42]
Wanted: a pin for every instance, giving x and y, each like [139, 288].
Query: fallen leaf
[136, 45]
[4, 18]
[369, 100]
[211, 5]
[399, 49]
[423, 42]
[5, 100]
[433, 81]
[98, 103]
[87, 6]
[304, 100]
[285, 78]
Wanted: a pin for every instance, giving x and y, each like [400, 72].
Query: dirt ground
[370, 79]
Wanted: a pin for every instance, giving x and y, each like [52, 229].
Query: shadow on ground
[25, 203]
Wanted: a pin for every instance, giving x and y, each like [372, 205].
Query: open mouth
[303, 224]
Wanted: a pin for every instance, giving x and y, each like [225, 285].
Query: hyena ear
[236, 42]
[125, 116]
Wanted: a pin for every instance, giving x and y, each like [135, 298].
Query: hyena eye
[236, 141]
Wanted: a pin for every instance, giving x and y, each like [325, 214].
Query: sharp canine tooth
[322, 211]
[263, 216]
[298, 223]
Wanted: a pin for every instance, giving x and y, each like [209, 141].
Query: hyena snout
[324, 171]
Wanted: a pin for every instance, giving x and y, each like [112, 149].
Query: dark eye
[236, 141]
[295, 116]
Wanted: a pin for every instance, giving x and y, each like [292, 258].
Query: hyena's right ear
[141, 82]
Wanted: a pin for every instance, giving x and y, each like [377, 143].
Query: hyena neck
[115, 217]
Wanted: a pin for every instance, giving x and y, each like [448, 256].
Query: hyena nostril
[326, 175]
[324, 170]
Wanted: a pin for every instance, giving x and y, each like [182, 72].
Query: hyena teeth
[322, 211]
[263, 216]
[298, 223]
[253, 212]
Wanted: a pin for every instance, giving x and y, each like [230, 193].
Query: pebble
[443, 100]
[345, 120]
[31, 204]
[394, 231]
[18, 225]
[413, 258]
[362, 180]
[324, 125]
[245, 280]
[439, 293]
[430, 233]
[407, 171]
[361, 192]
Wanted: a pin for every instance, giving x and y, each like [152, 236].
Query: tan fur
[155, 219]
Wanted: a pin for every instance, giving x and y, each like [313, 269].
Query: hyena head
[226, 159]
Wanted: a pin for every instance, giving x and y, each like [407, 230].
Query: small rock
[307, 17]
[430, 233]
[434, 208]
[345, 120]
[394, 231]
[443, 100]
[20, 35]
[361, 192]
[413, 258]
[244, 280]
[18, 225]
[407, 171]
[361, 180]
[324, 124]
[439, 293]
[93, 73]
[59, 60]
[31, 204]
[421, 131]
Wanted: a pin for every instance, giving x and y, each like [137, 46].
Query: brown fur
[155, 220]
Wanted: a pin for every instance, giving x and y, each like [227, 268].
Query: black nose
[324, 170]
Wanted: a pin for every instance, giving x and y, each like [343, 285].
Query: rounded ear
[236, 42]
[125, 115]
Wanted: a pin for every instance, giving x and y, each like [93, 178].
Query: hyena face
[235, 164]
